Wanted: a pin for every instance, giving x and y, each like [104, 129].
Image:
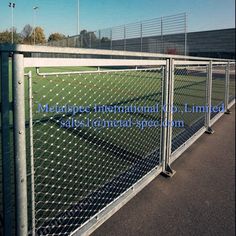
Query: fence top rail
[20, 48]
[58, 62]
[189, 63]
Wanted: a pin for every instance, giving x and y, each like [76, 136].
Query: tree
[29, 35]
[26, 34]
[6, 36]
[39, 35]
[56, 37]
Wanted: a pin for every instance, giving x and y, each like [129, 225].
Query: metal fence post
[169, 96]
[111, 38]
[124, 38]
[19, 144]
[164, 114]
[81, 40]
[141, 37]
[162, 38]
[5, 138]
[227, 76]
[209, 130]
[99, 35]
[90, 39]
[185, 34]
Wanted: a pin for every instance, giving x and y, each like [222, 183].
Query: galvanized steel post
[185, 35]
[171, 104]
[164, 116]
[169, 100]
[141, 37]
[99, 35]
[90, 39]
[162, 38]
[227, 76]
[124, 38]
[111, 39]
[19, 144]
[208, 99]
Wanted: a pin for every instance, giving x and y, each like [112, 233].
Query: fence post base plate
[209, 131]
[227, 112]
[168, 172]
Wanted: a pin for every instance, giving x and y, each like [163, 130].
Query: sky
[61, 15]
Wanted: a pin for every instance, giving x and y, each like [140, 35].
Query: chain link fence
[73, 164]
[231, 83]
[90, 133]
[189, 90]
[218, 86]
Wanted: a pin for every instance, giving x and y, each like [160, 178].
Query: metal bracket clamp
[168, 172]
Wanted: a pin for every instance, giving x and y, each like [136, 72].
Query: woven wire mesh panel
[189, 91]
[218, 86]
[80, 170]
[28, 153]
[232, 83]
[133, 31]
[105, 39]
[118, 37]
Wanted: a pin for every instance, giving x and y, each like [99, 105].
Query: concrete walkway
[198, 200]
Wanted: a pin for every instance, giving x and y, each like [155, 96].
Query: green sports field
[71, 163]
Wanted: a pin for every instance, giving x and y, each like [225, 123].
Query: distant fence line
[146, 36]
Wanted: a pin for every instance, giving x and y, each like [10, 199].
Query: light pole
[12, 5]
[35, 9]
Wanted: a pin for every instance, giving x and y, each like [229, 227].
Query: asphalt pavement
[198, 200]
